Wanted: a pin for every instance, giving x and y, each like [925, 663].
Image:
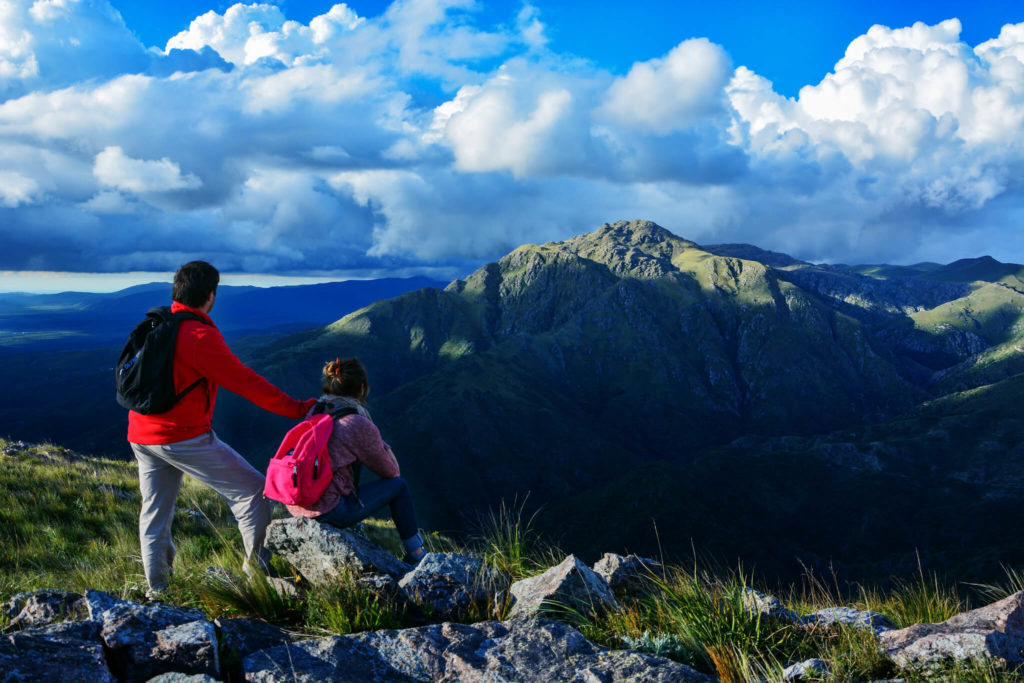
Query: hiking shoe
[409, 559]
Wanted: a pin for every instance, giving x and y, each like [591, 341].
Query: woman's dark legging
[375, 495]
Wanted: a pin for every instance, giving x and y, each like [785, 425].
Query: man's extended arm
[213, 359]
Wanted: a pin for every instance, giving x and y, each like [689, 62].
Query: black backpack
[145, 371]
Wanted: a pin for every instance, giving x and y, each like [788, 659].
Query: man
[181, 441]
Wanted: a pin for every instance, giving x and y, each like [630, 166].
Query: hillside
[72, 604]
[637, 387]
[84, 320]
[609, 372]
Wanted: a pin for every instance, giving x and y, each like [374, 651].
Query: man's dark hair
[194, 282]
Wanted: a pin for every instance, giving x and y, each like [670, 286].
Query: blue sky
[791, 43]
[428, 136]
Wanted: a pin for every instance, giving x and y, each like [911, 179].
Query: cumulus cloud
[113, 168]
[684, 89]
[264, 143]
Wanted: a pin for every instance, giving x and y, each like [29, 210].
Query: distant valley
[647, 392]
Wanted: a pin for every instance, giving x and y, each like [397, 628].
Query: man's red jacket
[202, 352]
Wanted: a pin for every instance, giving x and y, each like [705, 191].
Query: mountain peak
[635, 232]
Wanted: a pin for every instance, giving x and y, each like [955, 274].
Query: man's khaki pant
[213, 463]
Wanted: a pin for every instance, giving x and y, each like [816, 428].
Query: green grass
[70, 522]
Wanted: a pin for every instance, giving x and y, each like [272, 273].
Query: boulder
[144, 641]
[807, 670]
[323, 554]
[42, 608]
[848, 616]
[240, 637]
[995, 631]
[69, 652]
[176, 677]
[452, 586]
[570, 585]
[757, 602]
[529, 649]
[629, 572]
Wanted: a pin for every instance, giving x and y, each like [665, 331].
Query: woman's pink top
[354, 438]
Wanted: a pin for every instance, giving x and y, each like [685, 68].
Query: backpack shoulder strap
[324, 407]
[163, 314]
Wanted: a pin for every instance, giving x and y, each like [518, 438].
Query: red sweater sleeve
[371, 449]
[213, 359]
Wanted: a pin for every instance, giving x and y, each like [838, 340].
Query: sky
[429, 136]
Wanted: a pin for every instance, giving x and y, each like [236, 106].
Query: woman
[354, 442]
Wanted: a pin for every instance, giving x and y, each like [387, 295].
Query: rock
[627, 572]
[286, 588]
[757, 602]
[67, 652]
[387, 592]
[452, 586]
[807, 670]
[43, 607]
[570, 585]
[240, 637]
[216, 574]
[530, 649]
[146, 640]
[848, 616]
[323, 554]
[384, 587]
[995, 631]
[176, 677]
[190, 647]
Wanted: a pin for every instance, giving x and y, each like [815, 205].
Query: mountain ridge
[632, 372]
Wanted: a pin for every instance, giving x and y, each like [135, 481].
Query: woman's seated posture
[355, 442]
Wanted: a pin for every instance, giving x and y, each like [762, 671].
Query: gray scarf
[336, 402]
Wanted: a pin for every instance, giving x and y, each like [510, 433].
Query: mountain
[637, 387]
[79, 320]
[57, 351]
[624, 370]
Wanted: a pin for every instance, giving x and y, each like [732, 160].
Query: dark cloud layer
[268, 145]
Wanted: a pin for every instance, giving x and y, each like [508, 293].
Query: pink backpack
[300, 471]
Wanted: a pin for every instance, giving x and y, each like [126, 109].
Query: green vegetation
[992, 311]
[629, 375]
[69, 522]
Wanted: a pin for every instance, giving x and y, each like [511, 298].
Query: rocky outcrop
[69, 652]
[629, 572]
[756, 602]
[452, 586]
[43, 607]
[144, 641]
[807, 670]
[995, 632]
[570, 586]
[848, 616]
[518, 650]
[323, 554]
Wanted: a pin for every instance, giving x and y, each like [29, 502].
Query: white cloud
[53, 43]
[314, 146]
[685, 88]
[114, 168]
[16, 189]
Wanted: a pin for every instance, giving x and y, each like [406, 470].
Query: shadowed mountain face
[597, 373]
[645, 391]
